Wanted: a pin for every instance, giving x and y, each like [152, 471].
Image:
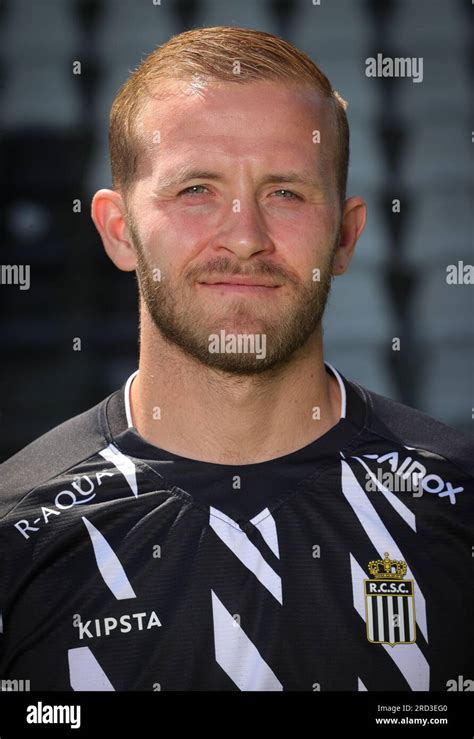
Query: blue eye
[192, 187]
[294, 196]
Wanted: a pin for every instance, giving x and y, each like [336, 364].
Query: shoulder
[47, 457]
[398, 424]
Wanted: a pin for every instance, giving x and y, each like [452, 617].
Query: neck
[184, 407]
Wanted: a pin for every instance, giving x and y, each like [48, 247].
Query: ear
[108, 213]
[353, 223]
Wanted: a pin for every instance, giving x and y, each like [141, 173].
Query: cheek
[172, 247]
[195, 228]
[306, 241]
[187, 226]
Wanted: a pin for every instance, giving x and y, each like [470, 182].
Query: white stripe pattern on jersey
[235, 652]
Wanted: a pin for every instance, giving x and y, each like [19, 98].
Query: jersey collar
[353, 418]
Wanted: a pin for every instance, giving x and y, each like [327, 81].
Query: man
[239, 515]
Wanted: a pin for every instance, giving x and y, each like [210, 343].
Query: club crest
[389, 603]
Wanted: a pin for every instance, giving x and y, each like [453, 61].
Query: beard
[183, 320]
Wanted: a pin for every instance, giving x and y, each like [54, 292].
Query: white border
[341, 387]
[128, 410]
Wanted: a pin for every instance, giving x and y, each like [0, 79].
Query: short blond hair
[210, 53]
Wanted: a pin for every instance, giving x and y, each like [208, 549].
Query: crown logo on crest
[394, 569]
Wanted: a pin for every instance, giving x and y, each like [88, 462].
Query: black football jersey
[344, 566]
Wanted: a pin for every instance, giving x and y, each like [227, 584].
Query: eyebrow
[184, 174]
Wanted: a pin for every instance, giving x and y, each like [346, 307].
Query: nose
[244, 231]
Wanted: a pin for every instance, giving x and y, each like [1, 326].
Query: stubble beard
[175, 313]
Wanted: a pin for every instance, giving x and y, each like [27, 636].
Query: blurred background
[409, 141]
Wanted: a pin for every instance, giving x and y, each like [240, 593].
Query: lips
[243, 281]
[232, 288]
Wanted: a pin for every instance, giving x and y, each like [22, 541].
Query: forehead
[243, 119]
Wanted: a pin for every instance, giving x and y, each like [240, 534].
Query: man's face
[232, 222]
